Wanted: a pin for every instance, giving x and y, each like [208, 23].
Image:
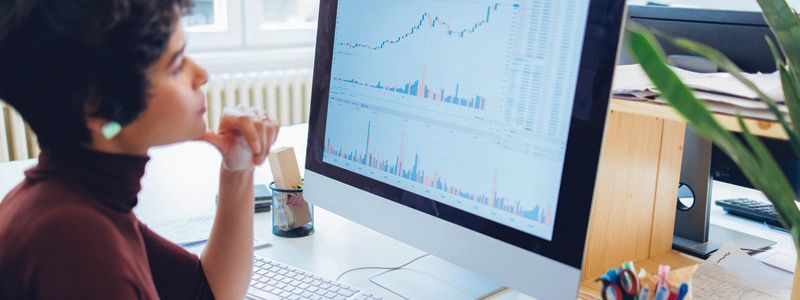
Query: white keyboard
[274, 280]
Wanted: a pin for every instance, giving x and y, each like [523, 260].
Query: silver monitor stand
[693, 233]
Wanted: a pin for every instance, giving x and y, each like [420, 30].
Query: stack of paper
[732, 274]
[722, 92]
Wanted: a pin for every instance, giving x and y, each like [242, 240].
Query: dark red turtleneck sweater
[68, 232]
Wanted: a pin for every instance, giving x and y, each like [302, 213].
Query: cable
[381, 268]
[386, 270]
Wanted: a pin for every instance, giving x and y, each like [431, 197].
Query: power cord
[386, 270]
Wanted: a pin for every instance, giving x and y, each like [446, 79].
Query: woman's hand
[244, 138]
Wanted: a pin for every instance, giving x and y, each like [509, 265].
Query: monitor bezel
[598, 58]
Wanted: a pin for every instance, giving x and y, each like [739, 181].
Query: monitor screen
[465, 102]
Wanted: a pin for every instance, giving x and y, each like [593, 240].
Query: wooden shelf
[770, 129]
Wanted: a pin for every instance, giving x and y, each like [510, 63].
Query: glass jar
[292, 215]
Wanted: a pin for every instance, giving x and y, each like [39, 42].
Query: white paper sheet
[714, 283]
[779, 259]
[732, 274]
[632, 77]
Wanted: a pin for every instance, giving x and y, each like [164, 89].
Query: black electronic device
[262, 197]
[740, 35]
[755, 210]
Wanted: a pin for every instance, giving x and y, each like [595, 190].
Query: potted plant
[748, 152]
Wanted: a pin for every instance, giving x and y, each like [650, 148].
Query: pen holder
[292, 216]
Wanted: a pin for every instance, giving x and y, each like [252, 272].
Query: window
[214, 24]
[281, 22]
[234, 24]
[276, 14]
[204, 14]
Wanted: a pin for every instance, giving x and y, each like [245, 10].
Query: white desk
[182, 181]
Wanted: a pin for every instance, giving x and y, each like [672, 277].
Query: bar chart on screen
[417, 103]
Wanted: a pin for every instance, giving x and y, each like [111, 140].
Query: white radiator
[284, 94]
[17, 141]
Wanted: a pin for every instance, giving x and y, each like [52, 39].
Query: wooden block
[666, 197]
[622, 211]
[283, 164]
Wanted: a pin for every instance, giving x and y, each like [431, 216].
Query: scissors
[620, 284]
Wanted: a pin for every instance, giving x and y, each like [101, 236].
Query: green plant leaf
[790, 92]
[775, 186]
[754, 160]
[775, 52]
[650, 55]
[785, 24]
[726, 64]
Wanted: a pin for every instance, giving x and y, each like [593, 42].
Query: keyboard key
[261, 294]
[345, 292]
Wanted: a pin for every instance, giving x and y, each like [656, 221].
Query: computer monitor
[468, 129]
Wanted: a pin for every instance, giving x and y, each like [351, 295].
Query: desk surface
[181, 181]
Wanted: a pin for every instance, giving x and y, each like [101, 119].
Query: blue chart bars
[396, 166]
[420, 89]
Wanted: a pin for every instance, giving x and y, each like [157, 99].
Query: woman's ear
[99, 127]
[95, 125]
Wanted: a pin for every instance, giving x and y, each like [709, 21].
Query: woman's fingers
[250, 133]
[260, 128]
[215, 140]
[254, 126]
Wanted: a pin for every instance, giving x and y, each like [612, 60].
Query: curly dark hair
[64, 60]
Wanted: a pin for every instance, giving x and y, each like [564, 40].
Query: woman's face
[175, 105]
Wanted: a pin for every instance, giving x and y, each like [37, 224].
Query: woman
[100, 82]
